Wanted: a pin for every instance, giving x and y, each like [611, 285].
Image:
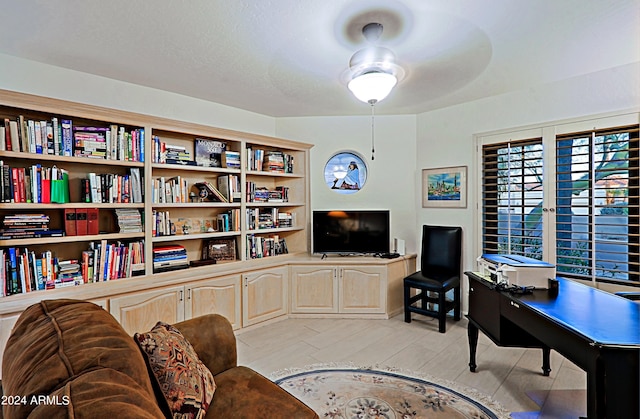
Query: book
[70, 227]
[208, 153]
[81, 221]
[136, 185]
[93, 221]
[67, 137]
[15, 136]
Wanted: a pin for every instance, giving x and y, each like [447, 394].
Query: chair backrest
[441, 249]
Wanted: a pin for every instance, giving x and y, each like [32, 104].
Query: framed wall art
[345, 173]
[444, 187]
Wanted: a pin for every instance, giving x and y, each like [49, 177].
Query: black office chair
[440, 272]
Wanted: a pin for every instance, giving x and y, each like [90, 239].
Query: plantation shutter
[597, 204]
[512, 197]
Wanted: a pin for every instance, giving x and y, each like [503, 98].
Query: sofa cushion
[245, 394]
[186, 382]
[55, 341]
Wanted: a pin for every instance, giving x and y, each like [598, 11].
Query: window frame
[548, 132]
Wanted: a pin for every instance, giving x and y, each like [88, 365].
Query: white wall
[445, 137]
[390, 183]
[26, 76]
[405, 144]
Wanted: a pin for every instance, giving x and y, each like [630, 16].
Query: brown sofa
[72, 359]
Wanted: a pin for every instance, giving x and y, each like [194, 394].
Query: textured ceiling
[288, 57]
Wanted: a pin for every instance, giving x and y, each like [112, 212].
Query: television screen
[350, 232]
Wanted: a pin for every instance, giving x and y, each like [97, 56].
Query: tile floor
[512, 376]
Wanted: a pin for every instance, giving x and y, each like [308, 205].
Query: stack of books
[231, 159]
[90, 142]
[129, 220]
[169, 258]
[285, 219]
[25, 226]
[162, 152]
[274, 161]
[69, 274]
[175, 154]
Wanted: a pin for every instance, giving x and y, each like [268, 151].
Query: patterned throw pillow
[185, 381]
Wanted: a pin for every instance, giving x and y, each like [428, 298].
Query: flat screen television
[350, 232]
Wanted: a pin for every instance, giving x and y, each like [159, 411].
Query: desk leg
[546, 362]
[472, 332]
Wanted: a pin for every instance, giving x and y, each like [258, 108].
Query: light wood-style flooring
[511, 376]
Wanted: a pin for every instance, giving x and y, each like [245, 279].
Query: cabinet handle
[516, 305]
[181, 295]
[471, 289]
[188, 293]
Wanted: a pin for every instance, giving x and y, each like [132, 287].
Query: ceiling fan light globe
[373, 86]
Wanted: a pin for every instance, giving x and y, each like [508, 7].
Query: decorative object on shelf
[345, 173]
[372, 72]
[209, 152]
[219, 249]
[444, 187]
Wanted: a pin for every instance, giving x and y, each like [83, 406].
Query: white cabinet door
[139, 312]
[363, 289]
[264, 295]
[218, 295]
[314, 289]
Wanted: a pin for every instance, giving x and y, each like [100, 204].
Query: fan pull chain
[373, 148]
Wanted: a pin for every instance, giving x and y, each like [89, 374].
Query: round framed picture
[345, 172]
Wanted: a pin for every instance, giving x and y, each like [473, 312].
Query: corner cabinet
[358, 286]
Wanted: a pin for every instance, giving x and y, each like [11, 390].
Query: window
[565, 195]
[597, 204]
[512, 198]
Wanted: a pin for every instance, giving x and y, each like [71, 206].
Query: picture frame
[444, 187]
[345, 172]
[219, 249]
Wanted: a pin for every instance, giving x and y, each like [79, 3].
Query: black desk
[596, 330]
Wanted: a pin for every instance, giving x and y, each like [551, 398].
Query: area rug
[376, 393]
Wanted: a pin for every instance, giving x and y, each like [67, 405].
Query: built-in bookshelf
[113, 186]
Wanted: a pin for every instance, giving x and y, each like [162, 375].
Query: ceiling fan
[373, 71]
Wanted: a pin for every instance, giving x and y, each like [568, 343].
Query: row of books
[229, 220]
[24, 226]
[265, 218]
[33, 184]
[171, 190]
[23, 270]
[105, 261]
[81, 221]
[269, 160]
[113, 188]
[262, 246]
[263, 194]
[61, 137]
[111, 143]
[169, 258]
